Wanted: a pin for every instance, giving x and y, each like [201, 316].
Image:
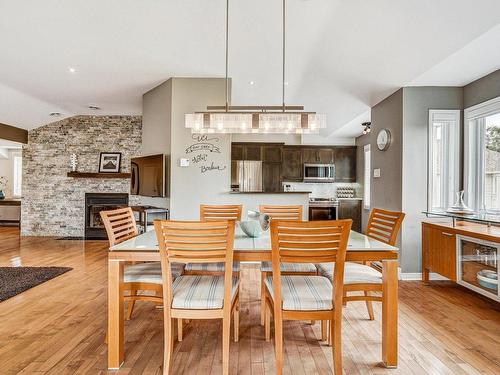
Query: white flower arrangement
[3, 182]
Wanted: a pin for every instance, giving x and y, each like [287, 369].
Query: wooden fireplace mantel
[98, 175]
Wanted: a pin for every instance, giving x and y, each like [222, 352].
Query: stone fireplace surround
[54, 204]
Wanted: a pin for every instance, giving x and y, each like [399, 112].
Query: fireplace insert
[94, 204]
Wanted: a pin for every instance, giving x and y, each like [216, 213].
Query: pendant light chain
[284, 50]
[227, 55]
[279, 119]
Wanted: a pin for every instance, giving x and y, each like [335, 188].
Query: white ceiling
[343, 56]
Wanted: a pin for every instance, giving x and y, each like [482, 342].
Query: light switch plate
[183, 162]
[376, 173]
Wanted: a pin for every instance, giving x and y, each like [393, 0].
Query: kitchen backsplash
[321, 190]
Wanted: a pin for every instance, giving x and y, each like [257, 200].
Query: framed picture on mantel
[109, 162]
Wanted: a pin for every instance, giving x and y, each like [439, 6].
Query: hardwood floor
[58, 327]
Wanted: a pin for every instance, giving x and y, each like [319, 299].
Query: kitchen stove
[323, 202]
[323, 208]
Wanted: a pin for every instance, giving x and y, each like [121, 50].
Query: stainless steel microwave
[319, 172]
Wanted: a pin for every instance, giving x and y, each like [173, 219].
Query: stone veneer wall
[53, 204]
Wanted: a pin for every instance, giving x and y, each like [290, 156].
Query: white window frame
[473, 142]
[17, 176]
[445, 116]
[367, 177]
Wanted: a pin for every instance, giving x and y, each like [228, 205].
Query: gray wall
[156, 134]
[386, 190]
[207, 179]
[403, 182]
[156, 119]
[417, 101]
[483, 89]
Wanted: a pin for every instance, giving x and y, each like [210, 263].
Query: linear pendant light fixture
[265, 119]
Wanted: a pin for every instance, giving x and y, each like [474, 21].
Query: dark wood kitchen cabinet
[271, 153]
[326, 156]
[317, 155]
[292, 164]
[351, 209]
[253, 152]
[292, 158]
[345, 164]
[271, 177]
[237, 151]
[309, 155]
[250, 151]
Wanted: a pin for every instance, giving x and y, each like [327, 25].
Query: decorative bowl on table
[263, 219]
[487, 279]
[251, 228]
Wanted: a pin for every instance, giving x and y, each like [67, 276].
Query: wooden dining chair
[306, 297]
[281, 212]
[383, 226]
[219, 212]
[215, 213]
[120, 226]
[198, 296]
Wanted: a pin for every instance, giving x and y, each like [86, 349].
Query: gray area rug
[15, 280]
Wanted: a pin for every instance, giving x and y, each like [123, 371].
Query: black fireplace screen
[94, 204]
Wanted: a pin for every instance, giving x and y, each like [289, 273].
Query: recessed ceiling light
[286, 83]
[251, 82]
[94, 107]
[55, 114]
[71, 69]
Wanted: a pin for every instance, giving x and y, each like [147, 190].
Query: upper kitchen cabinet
[345, 164]
[272, 153]
[317, 155]
[253, 152]
[292, 164]
[246, 151]
[293, 158]
[237, 151]
[309, 155]
[326, 156]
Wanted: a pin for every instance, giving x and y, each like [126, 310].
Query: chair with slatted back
[306, 297]
[215, 213]
[220, 212]
[282, 212]
[120, 226]
[383, 226]
[198, 296]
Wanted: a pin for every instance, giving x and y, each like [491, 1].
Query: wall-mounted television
[150, 176]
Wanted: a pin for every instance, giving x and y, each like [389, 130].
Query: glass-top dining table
[144, 248]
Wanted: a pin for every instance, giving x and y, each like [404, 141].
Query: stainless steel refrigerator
[246, 175]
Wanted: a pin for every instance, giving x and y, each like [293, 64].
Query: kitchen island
[252, 200]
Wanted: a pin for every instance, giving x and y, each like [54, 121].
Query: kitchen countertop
[269, 192]
[350, 199]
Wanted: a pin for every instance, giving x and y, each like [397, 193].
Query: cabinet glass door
[478, 265]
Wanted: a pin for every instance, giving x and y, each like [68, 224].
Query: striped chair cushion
[300, 292]
[354, 273]
[210, 267]
[200, 292]
[149, 272]
[289, 267]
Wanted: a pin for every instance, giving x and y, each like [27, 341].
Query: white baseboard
[409, 276]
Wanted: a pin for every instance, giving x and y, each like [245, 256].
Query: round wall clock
[383, 139]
